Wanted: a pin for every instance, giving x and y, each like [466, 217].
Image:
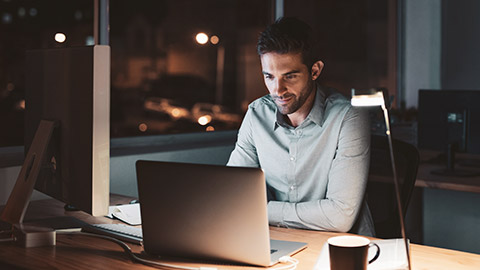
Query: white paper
[128, 213]
[392, 256]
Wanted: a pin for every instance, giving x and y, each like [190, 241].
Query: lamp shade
[362, 100]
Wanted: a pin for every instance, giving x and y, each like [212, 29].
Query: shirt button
[292, 187]
[299, 132]
[292, 158]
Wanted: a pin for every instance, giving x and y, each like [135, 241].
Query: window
[183, 66]
[167, 80]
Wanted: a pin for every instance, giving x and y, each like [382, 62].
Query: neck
[296, 118]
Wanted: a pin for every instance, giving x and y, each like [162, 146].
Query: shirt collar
[316, 115]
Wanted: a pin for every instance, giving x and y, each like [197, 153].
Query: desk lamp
[376, 98]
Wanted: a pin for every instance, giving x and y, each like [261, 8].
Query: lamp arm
[395, 180]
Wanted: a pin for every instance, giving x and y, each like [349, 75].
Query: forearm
[325, 215]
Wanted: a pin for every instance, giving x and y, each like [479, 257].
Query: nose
[278, 87]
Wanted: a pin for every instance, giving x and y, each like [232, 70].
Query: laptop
[207, 212]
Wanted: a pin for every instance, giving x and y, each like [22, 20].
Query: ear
[317, 68]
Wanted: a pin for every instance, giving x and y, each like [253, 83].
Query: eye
[268, 76]
[291, 76]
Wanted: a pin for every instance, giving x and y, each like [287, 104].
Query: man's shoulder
[334, 100]
[338, 105]
[264, 103]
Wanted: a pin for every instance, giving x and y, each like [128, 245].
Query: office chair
[380, 192]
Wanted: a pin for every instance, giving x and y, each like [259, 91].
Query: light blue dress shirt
[318, 170]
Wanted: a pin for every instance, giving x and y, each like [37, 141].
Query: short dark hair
[287, 35]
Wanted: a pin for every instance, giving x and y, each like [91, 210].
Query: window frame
[14, 155]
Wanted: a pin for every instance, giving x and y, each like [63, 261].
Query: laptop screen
[204, 211]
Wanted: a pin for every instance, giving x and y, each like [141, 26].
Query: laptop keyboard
[120, 231]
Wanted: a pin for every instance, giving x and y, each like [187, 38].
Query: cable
[9, 234]
[134, 258]
[287, 259]
[12, 239]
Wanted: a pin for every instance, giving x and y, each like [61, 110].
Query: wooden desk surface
[83, 252]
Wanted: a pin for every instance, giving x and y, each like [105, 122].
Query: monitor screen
[72, 87]
[449, 117]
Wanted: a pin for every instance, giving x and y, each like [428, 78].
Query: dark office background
[151, 40]
[460, 65]
[163, 81]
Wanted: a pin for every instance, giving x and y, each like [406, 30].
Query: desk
[82, 252]
[442, 208]
[425, 179]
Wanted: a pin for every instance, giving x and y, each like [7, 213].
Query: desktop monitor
[449, 121]
[71, 86]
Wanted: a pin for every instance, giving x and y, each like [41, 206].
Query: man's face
[288, 80]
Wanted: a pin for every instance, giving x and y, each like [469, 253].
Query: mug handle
[376, 254]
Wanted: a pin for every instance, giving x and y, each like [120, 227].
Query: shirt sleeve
[245, 153]
[347, 181]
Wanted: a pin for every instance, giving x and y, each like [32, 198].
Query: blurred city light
[201, 38]
[6, 18]
[176, 112]
[22, 12]
[210, 128]
[89, 41]
[78, 15]
[33, 12]
[10, 87]
[205, 119]
[60, 37]
[214, 40]
[20, 106]
[142, 127]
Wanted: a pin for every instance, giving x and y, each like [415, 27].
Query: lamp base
[33, 236]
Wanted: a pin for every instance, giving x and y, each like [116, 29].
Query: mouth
[283, 100]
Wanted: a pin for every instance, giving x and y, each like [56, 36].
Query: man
[313, 146]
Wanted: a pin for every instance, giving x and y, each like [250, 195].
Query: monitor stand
[14, 211]
[450, 170]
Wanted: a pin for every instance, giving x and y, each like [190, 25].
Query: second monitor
[449, 121]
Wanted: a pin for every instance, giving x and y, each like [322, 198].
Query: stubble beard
[297, 103]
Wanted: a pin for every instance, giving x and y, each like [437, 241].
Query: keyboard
[119, 231]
